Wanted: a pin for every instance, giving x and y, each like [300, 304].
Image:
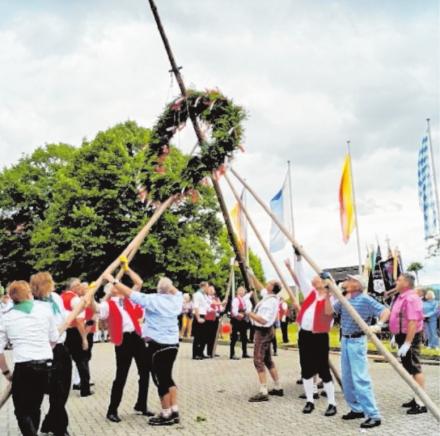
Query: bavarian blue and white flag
[426, 190]
[279, 207]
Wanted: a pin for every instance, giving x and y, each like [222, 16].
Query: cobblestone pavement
[213, 401]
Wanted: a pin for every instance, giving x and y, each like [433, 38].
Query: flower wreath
[211, 108]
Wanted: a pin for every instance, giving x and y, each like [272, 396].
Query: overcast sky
[310, 74]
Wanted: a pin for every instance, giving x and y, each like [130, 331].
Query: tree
[415, 267]
[26, 191]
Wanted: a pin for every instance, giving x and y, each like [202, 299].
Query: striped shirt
[366, 306]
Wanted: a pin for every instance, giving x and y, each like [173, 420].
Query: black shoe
[371, 422]
[76, 387]
[87, 394]
[275, 354]
[299, 381]
[246, 356]
[46, 428]
[304, 397]
[142, 411]
[324, 394]
[320, 385]
[258, 398]
[161, 420]
[198, 358]
[277, 392]
[416, 410]
[176, 417]
[409, 404]
[308, 408]
[353, 415]
[331, 410]
[234, 358]
[113, 417]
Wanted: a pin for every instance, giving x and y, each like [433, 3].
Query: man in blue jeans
[356, 381]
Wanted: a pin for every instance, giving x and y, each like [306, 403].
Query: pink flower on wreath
[177, 104]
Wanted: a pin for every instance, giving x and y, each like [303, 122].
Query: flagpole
[355, 210]
[434, 174]
[289, 176]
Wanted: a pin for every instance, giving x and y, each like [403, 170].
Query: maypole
[176, 71]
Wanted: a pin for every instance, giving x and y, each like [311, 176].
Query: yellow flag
[237, 224]
[346, 202]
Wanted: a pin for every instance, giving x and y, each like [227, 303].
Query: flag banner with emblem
[346, 201]
[279, 206]
[426, 190]
[239, 224]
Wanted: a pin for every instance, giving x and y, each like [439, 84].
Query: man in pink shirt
[406, 323]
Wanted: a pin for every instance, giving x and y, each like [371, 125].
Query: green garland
[209, 107]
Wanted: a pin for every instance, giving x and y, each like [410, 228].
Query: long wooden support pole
[421, 393]
[131, 248]
[176, 71]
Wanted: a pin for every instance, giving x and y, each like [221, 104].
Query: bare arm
[328, 308]
[4, 366]
[135, 278]
[257, 318]
[118, 285]
[412, 327]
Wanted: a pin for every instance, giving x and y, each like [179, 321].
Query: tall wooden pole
[421, 393]
[176, 71]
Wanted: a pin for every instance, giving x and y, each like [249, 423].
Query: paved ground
[213, 401]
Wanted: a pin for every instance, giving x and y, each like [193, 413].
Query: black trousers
[29, 384]
[132, 347]
[238, 327]
[80, 357]
[251, 332]
[211, 331]
[314, 355]
[199, 332]
[57, 420]
[162, 357]
[274, 341]
[284, 331]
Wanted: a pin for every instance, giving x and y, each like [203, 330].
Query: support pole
[132, 247]
[421, 393]
[434, 173]
[176, 71]
[262, 243]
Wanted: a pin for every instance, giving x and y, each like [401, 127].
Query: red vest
[115, 320]
[67, 297]
[322, 322]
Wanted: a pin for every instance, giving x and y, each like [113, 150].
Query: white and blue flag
[427, 190]
[279, 207]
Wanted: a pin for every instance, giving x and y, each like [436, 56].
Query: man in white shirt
[32, 331]
[263, 317]
[56, 420]
[201, 304]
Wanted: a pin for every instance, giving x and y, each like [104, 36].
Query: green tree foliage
[26, 191]
[73, 210]
[415, 267]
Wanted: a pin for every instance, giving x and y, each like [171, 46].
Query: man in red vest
[239, 307]
[313, 340]
[76, 335]
[123, 319]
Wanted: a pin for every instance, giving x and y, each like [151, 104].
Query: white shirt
[267, 308]
[29, 333]
[60, 317]
[305, 284]
[284, 307]
[235, 305]
[308, 317]
[201, 302]
[104, 311]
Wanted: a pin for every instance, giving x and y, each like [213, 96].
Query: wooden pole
[176, 71]
[262, 243]
[421, 393]
[132, 247]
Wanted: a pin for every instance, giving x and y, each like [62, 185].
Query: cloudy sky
[310, 74]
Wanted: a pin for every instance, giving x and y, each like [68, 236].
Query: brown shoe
[259, 398]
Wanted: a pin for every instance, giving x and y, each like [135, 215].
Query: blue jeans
[431, 331]
[356, 381]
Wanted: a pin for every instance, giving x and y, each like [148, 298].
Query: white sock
[174, 408]
[277, 385]
[263, 389]
[166, 413]
[418, 402]
[308, 389]
[330, 391]
[315, 388]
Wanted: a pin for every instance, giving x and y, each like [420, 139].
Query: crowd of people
[50, 334]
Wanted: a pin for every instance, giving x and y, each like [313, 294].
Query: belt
[262, 329]
[45, 362]
[354, 335]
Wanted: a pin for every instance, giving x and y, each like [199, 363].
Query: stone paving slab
[216, 391]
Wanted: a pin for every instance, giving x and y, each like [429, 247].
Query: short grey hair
[409, 278]
[164, 286]
[73, 282]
